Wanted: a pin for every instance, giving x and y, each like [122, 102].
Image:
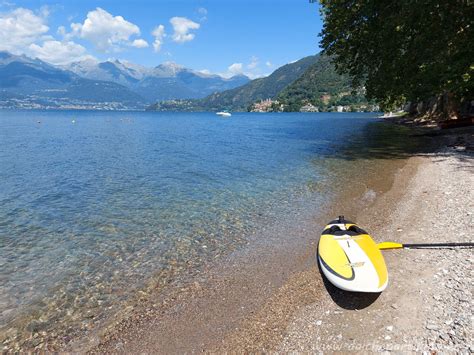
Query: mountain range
[309, 84]
[240, 98]
[163, 82]
[29, 83]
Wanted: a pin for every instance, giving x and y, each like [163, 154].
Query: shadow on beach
[386, 140]
[348, 300]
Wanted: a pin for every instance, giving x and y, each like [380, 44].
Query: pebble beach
[426, 307]
[428, 304]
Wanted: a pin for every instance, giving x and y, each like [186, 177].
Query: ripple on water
[92, 213]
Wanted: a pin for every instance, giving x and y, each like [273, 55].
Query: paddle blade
[389, 245]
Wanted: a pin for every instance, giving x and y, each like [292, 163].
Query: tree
[404, 50]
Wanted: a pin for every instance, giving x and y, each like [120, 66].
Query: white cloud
[105, 31]
[62, 31]
[203, 13]
[159, 34]
[181, 27]
[140, 43]
[44, 11]
[268, 64]
[235, 69]
[21, 27]
[205, 71]
[253, 63]
[252, 69]
[6, 3]
[57, 52]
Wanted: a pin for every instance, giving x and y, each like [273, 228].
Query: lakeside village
[34, 102]
[269, 105]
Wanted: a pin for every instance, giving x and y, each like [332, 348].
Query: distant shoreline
[51, 109]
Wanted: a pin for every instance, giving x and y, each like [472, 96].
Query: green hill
[321, 87]
[310, 84]
[239, 99]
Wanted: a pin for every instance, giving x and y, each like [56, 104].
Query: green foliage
[322, 87]
[402, 50]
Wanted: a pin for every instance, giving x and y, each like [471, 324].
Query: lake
[94, 205]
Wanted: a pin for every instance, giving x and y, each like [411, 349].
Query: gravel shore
[428, 305]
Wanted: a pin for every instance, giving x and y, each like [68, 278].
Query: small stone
[394, 306]
[388, 337]
[431, 327]
[463, 298]
[319, 322]
[390, 328]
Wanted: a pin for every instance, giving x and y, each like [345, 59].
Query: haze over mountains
[32, 83]
[163, 82]
[309, 84]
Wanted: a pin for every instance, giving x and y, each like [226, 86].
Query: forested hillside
[322, 87]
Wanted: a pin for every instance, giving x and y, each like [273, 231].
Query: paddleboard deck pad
[350, 259]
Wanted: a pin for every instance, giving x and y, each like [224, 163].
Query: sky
[216, 36]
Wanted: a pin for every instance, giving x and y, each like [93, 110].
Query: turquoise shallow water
[91, 210]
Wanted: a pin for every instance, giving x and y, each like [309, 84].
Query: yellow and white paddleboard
[350, 259]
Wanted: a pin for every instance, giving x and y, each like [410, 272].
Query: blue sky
[252, 37]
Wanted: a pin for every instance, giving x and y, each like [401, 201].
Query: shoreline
[290, 308]
[250, 299]
[232, 317]
[78, 331]
[428, 303]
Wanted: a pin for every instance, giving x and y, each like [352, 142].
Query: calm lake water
[91, 210]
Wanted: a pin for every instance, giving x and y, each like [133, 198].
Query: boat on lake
[224, 114]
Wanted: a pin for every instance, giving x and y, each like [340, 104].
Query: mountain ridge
[309, 84]
[32, 83]
[39, 84]
[165, 81]
[239, 99]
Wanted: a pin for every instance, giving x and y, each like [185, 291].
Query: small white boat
[393, 114]
[224, 114]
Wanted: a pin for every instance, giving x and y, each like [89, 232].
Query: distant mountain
[163, 82]
[26, 82]
[310, 84]
[33, 83]
[240, 98]
[121, 73]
